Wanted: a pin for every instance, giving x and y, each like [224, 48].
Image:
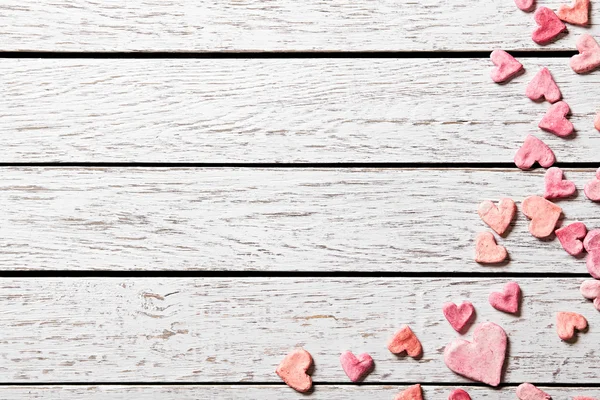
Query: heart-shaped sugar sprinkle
[592, 240]
[592, 263]
[356, 367]
[414, 392]
[592, 188]
[555, 120]
[549, 26]
[459, 394]
[577, 14]
[526, 391]
[543, 214]
[293, 370]
[498, 218]
[458, 316]
[571, 237]
[487, 251]
[543, 86]
[506, 67]
[590, 289]
[588, 58]
[556, 186]
[405, 340]
[525, 5]
[532, 150]
[508, 299]
[568, 322]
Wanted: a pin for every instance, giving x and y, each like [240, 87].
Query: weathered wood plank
[233, 330]
[255, 25]
[401, 220]
[290, 110]
[263, 392]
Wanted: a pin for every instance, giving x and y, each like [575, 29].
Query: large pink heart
[482, 359]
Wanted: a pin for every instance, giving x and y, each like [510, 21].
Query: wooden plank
[264, 392]
[395, 220]
[281, 110]
[288, 25]
[238, 330]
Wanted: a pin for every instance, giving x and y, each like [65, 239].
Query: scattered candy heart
[588, 58]
[590, 289]
[526, 391]
[487, 251]
[567, 322]
[497, 218]
[543, 214]
[525, 5]
[592, 262]
[543, 86]
[508, 299]
[532, 150]
[555, 120]
[405, 340]
[506, 66]
[571, 237]
[577, 14]
[592, 240]
[356, 367]
[592, 188]
[414, 392]
[482, 359]
[549, 26]
[597, 122]
[556, 186]
[459, 394]
[458, 316]
[293, 368]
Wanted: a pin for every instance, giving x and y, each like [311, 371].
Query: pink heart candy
[590, 289]
[592, 240]
[592, 263]
[405, 341]
[498, 218]
[543, 86]
[592, 188]
[556, 186]
[458, 316]
[567, 322]
[356, 367]
[482, 359]
[576, 14]
[459, 394]
[526, 391]
[549, 26]
[597, 122]
[487, 251]
[414, 392]
[293, 370]
[543, 214]
[525, 5]
[555, 120]
[571, 237]
[588, 58]
[506, 67]
[532, 150]
[508, 299]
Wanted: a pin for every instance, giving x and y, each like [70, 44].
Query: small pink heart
[592, 263]
[487, 251]
[498, 218]
[526, 391]
[506, 67]
[567, 322]
[543, 214]
[592, 188]
[525, 5]
[508, 299]
[459, 394]
[577, 14]
[555, 120]
[414, 392]
[293, 370]
[549, 26]
[556, 186]
[405, 340]
[458, 316]
[592, 240]
[590, 289]
[543, 86]
[588, 58]
[482, 359]
[356, 367]
[532, 150]
[571, 237]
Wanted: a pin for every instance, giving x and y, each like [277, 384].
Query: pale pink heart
[525, 5]
[568, 322]
[497, 218]
[458, 316]
[506, 67]
[592, 240]
[588, 58]
[571, 237]
[543, 214]
[592, 188]
[526, 391]
[555, 186]
[532, 150]
[357, 368]
[414, 392]
[482, 359]
[487, 251]
[555, 120]
[293, 370]
[459, 394]
[549, 26]
[590, 289]
[577, 14]
[543, 86]
[508, 299]
[592, 263]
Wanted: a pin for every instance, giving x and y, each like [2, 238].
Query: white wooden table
[191, 188]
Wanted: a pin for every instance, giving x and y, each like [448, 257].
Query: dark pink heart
[549, 26]
[508, 299]
[571, 237]
[357, 368]
[459, 394]
[458, 316]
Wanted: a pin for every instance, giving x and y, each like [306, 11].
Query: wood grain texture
[397, 220]
[286, 110]
[255, 25]
[238, 330]
[263, 392]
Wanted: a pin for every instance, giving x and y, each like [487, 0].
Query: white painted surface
[282, 110]
[285, 25]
